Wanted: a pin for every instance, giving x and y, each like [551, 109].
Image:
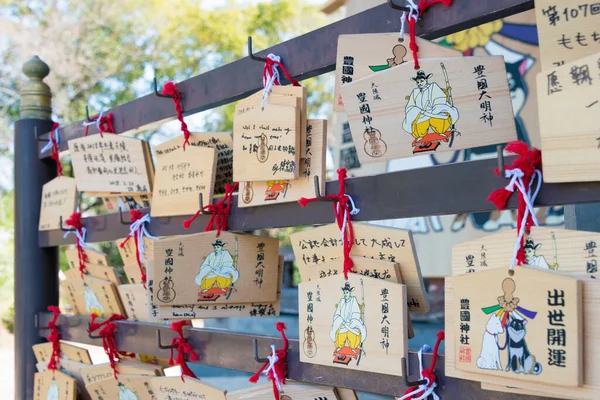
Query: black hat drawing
[530, 245]
[347, 287]
[120, 384]
[218, 242]
[421, 75]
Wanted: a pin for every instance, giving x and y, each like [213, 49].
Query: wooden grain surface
[59, 199]
[43, 352]
[109, 388]
[292, 390]
[54, 385]
[173, 387]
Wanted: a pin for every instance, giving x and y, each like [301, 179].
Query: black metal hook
[123, 222]
[87, 114]
[500, 151]
[256, 357]
[37, 135]
[36, 323]
[201, 202]
[251, 54]
[408, 382]
[160, 345]
[62, 228]
[397, 7]
[158, 94]
[318, 191]
[90, 333]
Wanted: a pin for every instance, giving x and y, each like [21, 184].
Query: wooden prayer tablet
[100, 372]
[129, 387]
[43, 352]
[204, 269]
[95, 295]
[291, 390]
[536, 313]
[316, 246]
[357, 323]
[51, 385]
[112, 202]
[549, 248]
[284, 191]
[266, 143]
[74, 304]
[134, 300]
[193, 311]
[362, 55]
[509, 389]
[59, 199]
[93, 257]
[113, 164]
[181, 175]
[127, 252]
[567, 30]
[173, 387]
[568, 101]
[133, 273]
[449, 104]
[72, 369]
[107, 273]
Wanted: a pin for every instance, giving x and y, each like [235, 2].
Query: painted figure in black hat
[218, 270]
[348, 329]
[429, 110]
[532, 258]
[124, 393]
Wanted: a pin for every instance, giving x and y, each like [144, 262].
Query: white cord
[425, 388]
[413, 13]
[95, 122]
[354, 211]
[138, 228]
[269, 78]
[80, 238]
[272, 360]
[48, 145]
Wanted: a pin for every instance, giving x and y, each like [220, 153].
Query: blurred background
[105, 53]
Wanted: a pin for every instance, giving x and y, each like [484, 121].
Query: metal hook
[251, 54]
[500, 151]
[405, 376]
[160, 345]
[397, 7]
[62, 228]
[87, 114]
[201, 202]
[318, 191]
[90, 333]
[36, 323]
[37, 135]
[123, 222]
[256, 357]
[157, 93]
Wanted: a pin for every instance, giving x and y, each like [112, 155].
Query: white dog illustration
[490, 354]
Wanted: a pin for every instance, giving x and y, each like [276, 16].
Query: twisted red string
[280, 365]
[55, 151]
[342, 216]
[268, 67]
[54, 338]
[428, 373]
[219, 212]
[75, 222]
[170, 89]
[108, 338]
[183, 348]
[528, 161]
[423, 6]
[136, 215]
[105, 126]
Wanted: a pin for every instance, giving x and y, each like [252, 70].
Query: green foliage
[8, 319]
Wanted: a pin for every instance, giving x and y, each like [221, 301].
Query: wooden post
[36, 269]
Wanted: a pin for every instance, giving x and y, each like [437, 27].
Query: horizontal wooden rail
[305, 56]
[440, 190]
[235, 351]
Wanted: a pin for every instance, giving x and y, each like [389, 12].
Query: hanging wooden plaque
[73, 303]
[570, 143]
[107, 273]
[73, 370]
[449, 104]
[342, 320]
[93, 257]
[53, 385]
[181, 176]
[113, 164]
[537, 314]
[567, 30]
[194, 311]
[59, 199]
[97, 296]
[43, 352]
[206, 269]
[128, 251]
[101, 372]
[133, 297]
[361, 55]
[284, 191]
[266, 143]
[133, 273]
[316, 246]
[130, 387]
[173, 387]
[291, 390]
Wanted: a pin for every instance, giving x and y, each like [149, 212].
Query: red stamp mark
[464, 354]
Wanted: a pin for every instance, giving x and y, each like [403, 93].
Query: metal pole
[36, 269]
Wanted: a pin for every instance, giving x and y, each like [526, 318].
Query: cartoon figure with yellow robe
[52, 393]
[430, 114]
[218, 273]
[92, 305]
[348, 330]
[124, 393]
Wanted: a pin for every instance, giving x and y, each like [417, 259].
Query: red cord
[269, 67]
[105, 126]
[528, 161]
[428, 373]
[55, 151]
[220, 212]
[423, 6]
[108, 338]
[54, 338]
[75, 221]
[342, 215]
[183, 348]
[280, 364]
[170, 89]
[136, 215]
